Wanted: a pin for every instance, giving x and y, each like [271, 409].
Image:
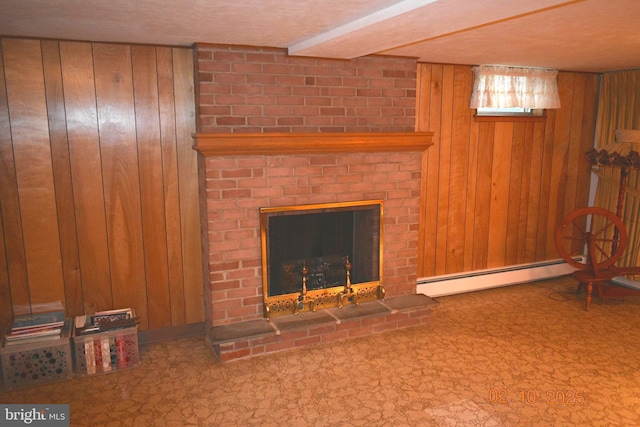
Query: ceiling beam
[364, 22]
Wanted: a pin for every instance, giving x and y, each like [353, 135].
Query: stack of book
[37, 327]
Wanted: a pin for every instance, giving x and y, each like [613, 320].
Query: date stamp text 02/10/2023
[533, 397]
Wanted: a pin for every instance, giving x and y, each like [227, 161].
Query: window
[513, 91]
[510, 112]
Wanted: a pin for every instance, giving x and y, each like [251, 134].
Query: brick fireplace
[243, 168]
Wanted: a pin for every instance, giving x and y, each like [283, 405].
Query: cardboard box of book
[106, 341]
[36, 350]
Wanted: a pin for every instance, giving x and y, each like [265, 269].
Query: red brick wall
[251, 89]
[236, 187]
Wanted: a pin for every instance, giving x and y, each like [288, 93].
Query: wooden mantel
[227, 144]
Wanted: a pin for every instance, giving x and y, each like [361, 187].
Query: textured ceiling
[576, 35]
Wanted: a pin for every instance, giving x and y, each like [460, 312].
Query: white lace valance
[508, 87]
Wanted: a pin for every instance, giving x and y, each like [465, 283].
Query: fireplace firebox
[320, 256]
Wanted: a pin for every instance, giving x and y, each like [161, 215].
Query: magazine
[35, 320]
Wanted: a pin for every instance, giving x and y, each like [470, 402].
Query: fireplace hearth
[320, 256]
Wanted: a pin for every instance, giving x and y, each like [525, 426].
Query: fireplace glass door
[317, 256]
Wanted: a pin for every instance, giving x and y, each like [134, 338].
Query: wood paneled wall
[496, 190]
[98, 180]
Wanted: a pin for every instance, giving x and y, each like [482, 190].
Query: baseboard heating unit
[458, 283]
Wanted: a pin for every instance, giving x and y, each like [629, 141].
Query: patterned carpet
[525, 355]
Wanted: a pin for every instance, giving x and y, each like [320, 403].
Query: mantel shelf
[236, 144]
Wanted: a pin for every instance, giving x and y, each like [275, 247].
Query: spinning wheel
[599, 230]
[604, 237]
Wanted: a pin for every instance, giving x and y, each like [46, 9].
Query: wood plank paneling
[61, 162]
[145, 84]
[482, 196]
[34, 175]
[545, 183]
[98, 181]
[535, 193]
[495, 191]
[188, 180]
[5, 180]
[425, 231]
[472, 182]
[459, 170]
[517, 173]
[5, 289]
[559, 160]
[171, 186]
[118, 150]
[499, 197]
[444, 172]
[13, 239]
[588, 127]
[523, 207]
[86, 171]
[575, 143]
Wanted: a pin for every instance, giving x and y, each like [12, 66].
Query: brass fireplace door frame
[312, 300]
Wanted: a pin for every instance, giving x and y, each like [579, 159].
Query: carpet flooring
[523, 355]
